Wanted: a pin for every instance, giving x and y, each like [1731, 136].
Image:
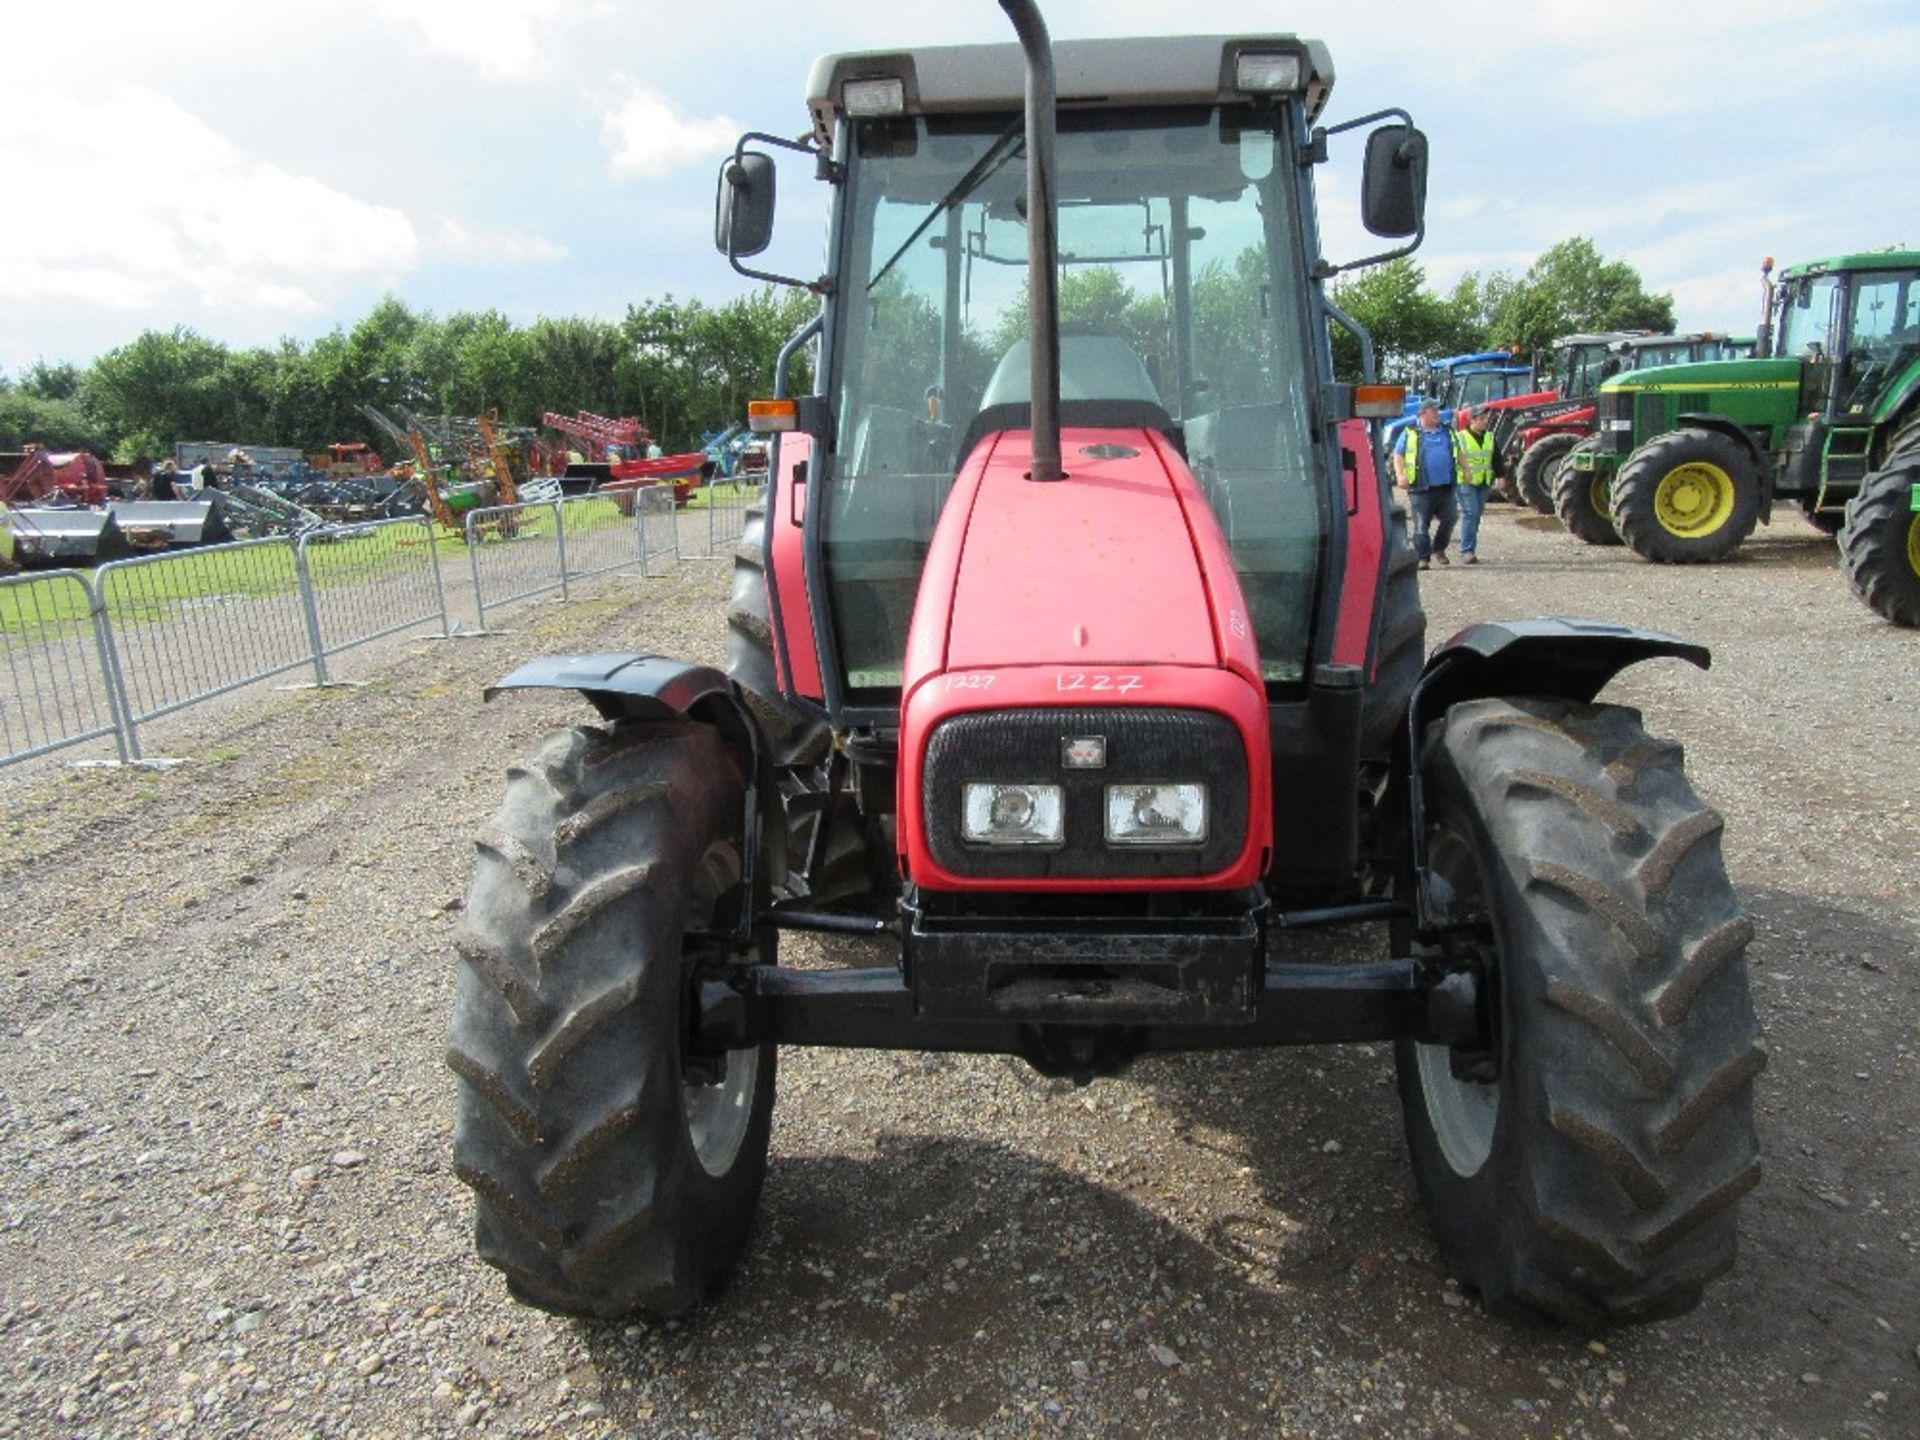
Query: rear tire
[608, 1180]
[1533, 477]
[1400, 649]
[1880, 546]
[796, 737]
[1595, 1181]
[1688, 497]
[1580, 499]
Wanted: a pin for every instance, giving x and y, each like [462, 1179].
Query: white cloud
[455, 240]
[502, 39]
[179, 219]
[647, 135]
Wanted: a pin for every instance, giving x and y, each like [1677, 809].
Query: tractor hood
[1709, 375]
[1120, 564]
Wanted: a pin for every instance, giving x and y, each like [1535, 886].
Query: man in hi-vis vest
[1426, 463]
[1479, 468]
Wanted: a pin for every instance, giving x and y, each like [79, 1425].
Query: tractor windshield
[1808, 318]
[1582, 368]
[1182, 301]
[1677, 352]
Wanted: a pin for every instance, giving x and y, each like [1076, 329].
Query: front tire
[1880, 546]
[1688, 497]
[609, 1179]
[1580, 499]
[1595, 1180]
[1533, 477]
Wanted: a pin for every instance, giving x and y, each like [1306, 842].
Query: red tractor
[1080, 660]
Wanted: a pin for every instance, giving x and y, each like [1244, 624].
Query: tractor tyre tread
[1533, 476]
[1637, 482]
[1880, 546]
[1624, 1135]
[570, 1126]
[1573, 501]
[796, 737]
[1400, 648]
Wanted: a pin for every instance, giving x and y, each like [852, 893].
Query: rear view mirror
[743, 210]
[1394, 188]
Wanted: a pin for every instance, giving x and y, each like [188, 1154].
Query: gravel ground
[224, 1125]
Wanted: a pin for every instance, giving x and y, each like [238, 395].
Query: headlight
[1156, 814]
[1267, 74]
[877, 95]
[1013, 814]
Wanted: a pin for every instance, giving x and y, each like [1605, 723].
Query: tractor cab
[1854, 326]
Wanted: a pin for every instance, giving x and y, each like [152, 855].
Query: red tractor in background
[1078, 661]
[37, 476]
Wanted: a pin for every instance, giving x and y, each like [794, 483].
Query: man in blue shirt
[1425, 463]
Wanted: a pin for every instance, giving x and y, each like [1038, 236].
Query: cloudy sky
[255, 168]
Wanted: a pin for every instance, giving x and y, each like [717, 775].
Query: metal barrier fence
[187, 626]
[54, 665]
[600, 536]
[514, 552]
[518, 551]
[658, 522]
[84, 657]
[726, 515]
[368, 582]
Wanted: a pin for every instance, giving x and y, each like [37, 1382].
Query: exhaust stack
[1043, 297]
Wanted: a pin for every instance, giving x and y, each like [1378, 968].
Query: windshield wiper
[989, 162]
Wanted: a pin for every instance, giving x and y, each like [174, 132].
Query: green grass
[726, 491]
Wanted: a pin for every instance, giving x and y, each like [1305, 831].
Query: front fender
[1568, 659]
[1572, 659]
[624, 686]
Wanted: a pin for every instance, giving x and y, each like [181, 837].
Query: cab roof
[1861, 260]
[1137, 70]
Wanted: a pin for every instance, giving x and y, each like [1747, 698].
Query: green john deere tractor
[1689, 458]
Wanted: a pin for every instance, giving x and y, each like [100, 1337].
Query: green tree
[1572, 288]
[1408, 322]
[27, 418]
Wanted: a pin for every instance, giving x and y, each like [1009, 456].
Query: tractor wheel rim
[1463, 1113]
[1693, 499]
[718, 1115]
[1597, 495]
[1913, 546]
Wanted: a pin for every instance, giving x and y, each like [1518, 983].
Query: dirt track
[224, 1124]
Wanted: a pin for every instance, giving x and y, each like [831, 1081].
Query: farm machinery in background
[68, 507]
[620, 457]
[737, 453]
[1462, 383]
[454, 464]
[1098, 696]
[1535, 433]
[1688, 459]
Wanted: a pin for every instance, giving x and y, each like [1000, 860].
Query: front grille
[1650, 415]
[1012, 746]
[1613, 406]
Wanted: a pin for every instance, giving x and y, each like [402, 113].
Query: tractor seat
[1103, 382]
